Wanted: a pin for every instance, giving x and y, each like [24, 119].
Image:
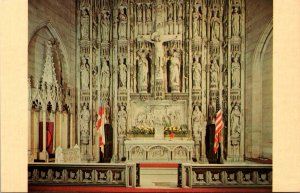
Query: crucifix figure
[158, 40]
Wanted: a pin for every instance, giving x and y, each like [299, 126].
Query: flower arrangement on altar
[142, 131]
[181, 131]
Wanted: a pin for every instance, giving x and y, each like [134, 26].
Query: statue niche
[143, 71]
[174, 71]
[122, 18]
[215, 27]
[84, 21]
[235, 22]
[122, 120]
[235, 73]
[196, 25]
[196, 69]
[84, 125]
[122, 74]
[104, 75]
[105, 26]
[85, 77]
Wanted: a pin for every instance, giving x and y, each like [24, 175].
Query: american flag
[100, 124]
[219, 127]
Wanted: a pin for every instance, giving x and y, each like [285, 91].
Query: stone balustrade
[82, 174]
[224, 175]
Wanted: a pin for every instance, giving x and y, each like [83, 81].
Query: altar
[159, 150]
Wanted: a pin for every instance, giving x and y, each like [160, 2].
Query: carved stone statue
[179, 11]
[235, 132]
[235, 22]
[148, 13]
[84, 125]
[84, 21]
[198, 122]
[122, 119]
[159, 19]
[170, 11]
[105, 75]
[139, 12]
[196, 74]
[122, 31]
[142, 72]
[235, 119]
[235, 73]
[122, 74]
[215, 26]
[85, 77]
[174, 71]
[105, 27]
[199, 132]
[214, 73]
[196, 16]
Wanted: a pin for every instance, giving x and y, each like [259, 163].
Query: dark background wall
[258, 125]
[61, 15]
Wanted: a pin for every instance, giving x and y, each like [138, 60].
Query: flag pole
[220, 105]
[97, 129]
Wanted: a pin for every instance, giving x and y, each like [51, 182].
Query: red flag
[219, 127]
[100, 114]
[100, 124]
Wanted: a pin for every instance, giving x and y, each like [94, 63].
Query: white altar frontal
[159, 150]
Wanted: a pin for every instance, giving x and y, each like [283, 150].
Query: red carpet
[117, 189]
[158, 165]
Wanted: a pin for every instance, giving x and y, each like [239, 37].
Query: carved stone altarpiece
[161, 66]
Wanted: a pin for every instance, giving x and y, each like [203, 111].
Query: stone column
[97, 148]
[71, 131]
[44, 130]
[60, 128]
[54, 130]
[121, 146]
[197, 148]
[114, 83]
[36, 116]
[44, 153]
[30, 156]
[203, 157]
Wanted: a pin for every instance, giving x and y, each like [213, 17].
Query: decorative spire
[49, 75]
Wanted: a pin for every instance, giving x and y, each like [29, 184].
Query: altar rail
[224, 175]
[120, 175]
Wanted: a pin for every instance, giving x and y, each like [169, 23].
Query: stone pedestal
[44, 156]
[121, 146]
[175, 89]
[143, 89]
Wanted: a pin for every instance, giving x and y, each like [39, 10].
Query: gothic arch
[62, 52]
[257, 108]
